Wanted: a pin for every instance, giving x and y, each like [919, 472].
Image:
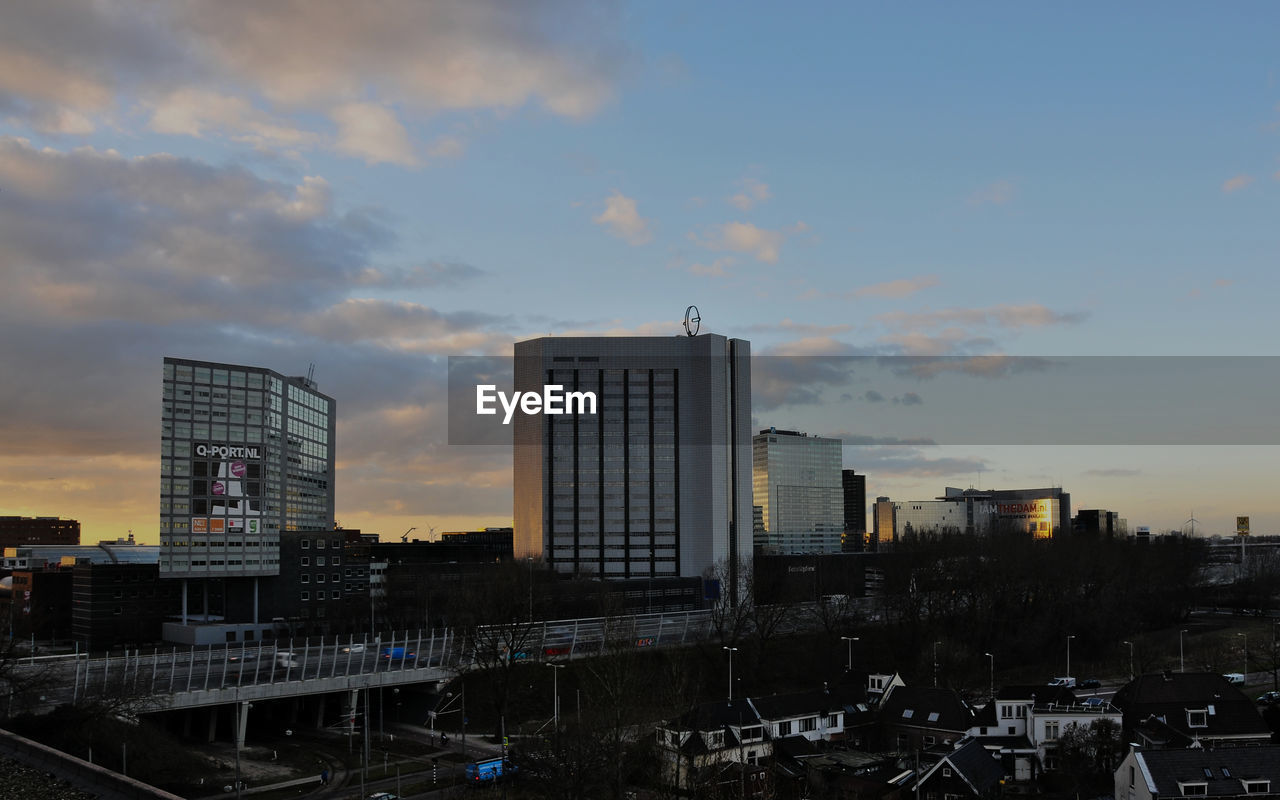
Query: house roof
[1223, 769]
[715, 715]
[801, 704]
[927, 707]
[973, 764]
[1170, 695]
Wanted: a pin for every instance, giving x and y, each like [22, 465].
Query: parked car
[1234, 678]
[1268, 698]
[1068, 682]
[384, 796]
[1090, 683]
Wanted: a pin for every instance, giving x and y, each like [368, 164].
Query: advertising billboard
[1036, 517]
[1242, 526]
[226, 488]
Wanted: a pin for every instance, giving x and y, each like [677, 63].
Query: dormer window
[715, 740]
[1256, 787]
[1197, 718]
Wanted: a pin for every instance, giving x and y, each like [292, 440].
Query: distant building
[657, 483]
[28, 531]
[796, 480]
[1040, 513]
[884, 524]
[114, 604]
[855, 510]
[1100, 522]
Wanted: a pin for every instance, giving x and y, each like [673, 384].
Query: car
[1090, 683]
[384, 796]
[1268, 698]
[1068, 682]
[353, 648]
[1234, 678]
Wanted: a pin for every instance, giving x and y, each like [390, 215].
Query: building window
[335, 594]
[306, 561]
[808, 724]
[306, 544]
[929, 741]
[908, 713]
[1197, 718]
[1257, 787]
[833, 721]
[1051, 730]
[1193, 789]
[784, 728]
[304, 578]
[306, 595]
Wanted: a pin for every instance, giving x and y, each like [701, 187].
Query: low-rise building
[1186, 709]
[1225, 772]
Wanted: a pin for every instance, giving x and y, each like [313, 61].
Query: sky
[372, 188]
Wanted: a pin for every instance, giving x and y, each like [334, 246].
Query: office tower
[656, 483]
[884, 524]
[855, 510]
[247, 456]
[796, 481]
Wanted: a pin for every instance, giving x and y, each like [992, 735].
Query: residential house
[695, 746]
[968, 771]
[1024, 722]
[815, 715]
[1185, 709]
[1224, 772]
[915, 718]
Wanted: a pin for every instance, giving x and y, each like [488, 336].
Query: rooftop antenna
[405, 536]
[311, 372]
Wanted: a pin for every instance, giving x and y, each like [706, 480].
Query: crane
[405, 537]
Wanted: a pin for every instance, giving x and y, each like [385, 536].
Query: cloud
[891, 461]
[372, 132]
[1236, 184]
[716, 269]
[903, 287]
[744, 237]
[751, 193]
[803, 328]
[272, 70]
[1223, 283]
[112, 263]
[1117, 472]
[863, 440]
[622, 219]
[447, 147]
[994, 194]
[908, 399]
[872, 396]
[1030, 315]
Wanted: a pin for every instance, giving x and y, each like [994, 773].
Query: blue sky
[375, 190]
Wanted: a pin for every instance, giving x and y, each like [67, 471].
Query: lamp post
[1246, 654]
[935, 664]
[555, 693]
[848, 665]
[1070, 636]
[1132, 674]
[530, 560]
[1182, 664]
[731, 652]
[993, 675]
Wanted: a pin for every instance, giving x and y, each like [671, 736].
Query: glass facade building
[246, 454]
[797, 482]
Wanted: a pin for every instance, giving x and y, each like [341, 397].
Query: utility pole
[731, 650]
[848, 664]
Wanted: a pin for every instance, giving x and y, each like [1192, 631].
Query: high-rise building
[855, 510]
[884, 523]
[246, 457]
[657, 482]
[796, 481]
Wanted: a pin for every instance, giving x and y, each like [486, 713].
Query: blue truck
[491, 770]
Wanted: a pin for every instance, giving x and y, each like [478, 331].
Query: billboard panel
[1242, 526]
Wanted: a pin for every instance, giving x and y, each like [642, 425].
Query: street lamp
[993, 675]
[935, 664]
[1132, 674]
[555, 693]
[848, 666]
[1246, 654]
[1182, 664]
[1069, 638]
[731, 650]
